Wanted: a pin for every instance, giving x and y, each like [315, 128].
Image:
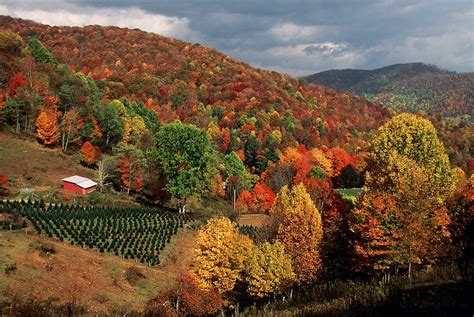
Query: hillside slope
[407, 88]
[202, 86]
[362, 81]
[81, 278]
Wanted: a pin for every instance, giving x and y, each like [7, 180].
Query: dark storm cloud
[296, 37]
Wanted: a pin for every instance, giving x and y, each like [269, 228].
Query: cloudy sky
[297, 37]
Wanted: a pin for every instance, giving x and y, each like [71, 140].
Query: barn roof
[80, 181]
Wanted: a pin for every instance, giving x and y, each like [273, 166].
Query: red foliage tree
[3, 185]
[18, 80]
[263, 197]
[339, 158]
[259, 201]
[132, 176]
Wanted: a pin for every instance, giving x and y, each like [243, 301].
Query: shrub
[134, 275]
[10, 268]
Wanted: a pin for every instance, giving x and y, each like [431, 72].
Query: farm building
[79, 185]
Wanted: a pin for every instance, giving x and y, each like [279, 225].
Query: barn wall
[72, 188]
[77, 189]
[89, 190]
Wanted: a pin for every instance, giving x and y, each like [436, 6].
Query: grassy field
[349, 192]
[73, 275]
[93, 280]
[30, 165]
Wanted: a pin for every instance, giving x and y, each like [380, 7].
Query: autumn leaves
[226, 258]
[402, 218]
[400, 221]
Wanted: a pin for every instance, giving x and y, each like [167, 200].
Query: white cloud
[300, 59]
[366, 34]
[289, 32]
[123, 17]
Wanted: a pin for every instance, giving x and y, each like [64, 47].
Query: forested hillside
[407, 88]
[192, 83]
[446, 98]
[362, 81]
[345, 196]
[115, 95]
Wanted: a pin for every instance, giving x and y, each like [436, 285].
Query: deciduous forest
[223, 188]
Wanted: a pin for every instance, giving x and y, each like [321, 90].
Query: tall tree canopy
[269, 270]
[402, 218]
[298, 226]
[186, 158]
[220, 255]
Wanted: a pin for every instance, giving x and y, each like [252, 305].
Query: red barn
[79, 185]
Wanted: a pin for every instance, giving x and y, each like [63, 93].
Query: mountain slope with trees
[197, 85]
[446, 98]
[407, 87]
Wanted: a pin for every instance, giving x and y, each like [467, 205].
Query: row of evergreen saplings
[133, 233]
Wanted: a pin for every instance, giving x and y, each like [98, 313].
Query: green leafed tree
[110, 121]
[186, 159]
[236, 172]
[40, 53]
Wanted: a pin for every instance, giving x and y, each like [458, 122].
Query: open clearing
[92, 279]
[30, 165]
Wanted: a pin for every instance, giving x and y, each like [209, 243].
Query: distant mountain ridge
[362, 81]
[410, 87]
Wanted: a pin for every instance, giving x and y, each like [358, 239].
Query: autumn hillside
[199, 85]
[407, 87]
[447, 98]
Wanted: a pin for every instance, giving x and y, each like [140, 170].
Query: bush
[10, 268]
[193, 301]
[134, 275]
[44, 248]
[32, 306]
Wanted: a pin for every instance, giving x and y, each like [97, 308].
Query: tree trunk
[63, 139]
[409, 266]
[17, 129]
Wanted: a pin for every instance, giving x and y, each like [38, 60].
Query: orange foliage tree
[301, 166]
[47, 127]
[89, 153]
[339, 158]
[132, 174]
[402, 219]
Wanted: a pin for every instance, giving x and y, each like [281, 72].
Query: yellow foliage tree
[298, 226]
[409, 169]
[322, 161]
[220, 255]
[414, 138]
[269, 270]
